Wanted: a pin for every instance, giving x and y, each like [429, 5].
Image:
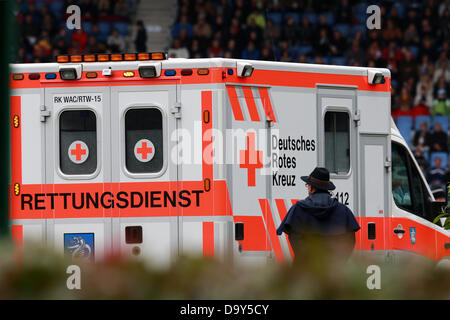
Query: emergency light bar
[103, 57]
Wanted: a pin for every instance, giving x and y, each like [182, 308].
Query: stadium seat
[414, 50]
[122, 27]
[104, 28]
[420, 119]
[312, 17]
[443, 120]
[295, 15]
[276, 17]
[304, 50]
[330, 17]
[404, 125]
[343, 28]
[56, 7]
[87, 26]
[358, 27]
[442, 155]
[340, 61]
[400, 8]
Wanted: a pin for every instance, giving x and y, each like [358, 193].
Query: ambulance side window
[78, 142]
[406, 181]
[337, 142]
[144, 140]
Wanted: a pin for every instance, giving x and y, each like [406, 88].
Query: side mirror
[239, 231]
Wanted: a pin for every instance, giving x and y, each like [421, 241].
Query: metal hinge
[387, 163]
[176, 110]
[357, 117]
[44, 114]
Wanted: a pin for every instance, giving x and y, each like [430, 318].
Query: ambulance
[156, 158]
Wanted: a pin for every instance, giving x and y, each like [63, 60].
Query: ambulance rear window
[337, 142]
[144, 140]
[78, 142]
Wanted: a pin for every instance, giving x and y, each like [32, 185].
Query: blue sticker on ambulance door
[79, 245]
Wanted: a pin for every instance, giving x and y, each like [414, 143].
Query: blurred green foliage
[38, 273]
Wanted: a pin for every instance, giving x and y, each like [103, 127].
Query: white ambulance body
[161, 158]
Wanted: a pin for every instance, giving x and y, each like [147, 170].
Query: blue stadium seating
[343, 28]
[400, 8]
[358, 27]
[414, 50]
[420, 119]
[56, 7]
[340, 61]
[404, 125]
[304, 50]
[276, 17]
[312, 17]
[442, 155]
[443, 120]
[330, 17]
[87, 26]
[104, 29]
[295, 15]
[122, 27]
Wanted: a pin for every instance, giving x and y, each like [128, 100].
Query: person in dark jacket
[319, 224]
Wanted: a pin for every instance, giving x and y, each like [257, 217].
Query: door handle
[447, 245]
[398, 230]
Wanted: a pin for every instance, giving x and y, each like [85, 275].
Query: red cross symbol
[144, 150]
[78, 152]
[251, 159]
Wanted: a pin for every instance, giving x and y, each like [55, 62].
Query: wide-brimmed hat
[319, 179]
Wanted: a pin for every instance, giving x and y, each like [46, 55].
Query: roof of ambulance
[201, 63]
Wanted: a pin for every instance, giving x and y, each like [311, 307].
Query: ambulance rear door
[144, 170]
[77, 199]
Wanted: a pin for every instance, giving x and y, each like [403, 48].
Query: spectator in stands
[116, 42]
[215, 50]
[92, 45]
[441, 84]
[355, 55]
[337, 44]
[272, 31]
[422, 138]
[81, 37]
[121, 9]
[441, 105]
[140, 41]
[442, 68]
[423, 102]
[306, 32]
[177, 51]
[426, 67]
[436, 175]
[250, 52]
[258, 16]
[421, 160]
[438, 139]
[290, 31]
[183, 24]
[202, 29]
[420, 109]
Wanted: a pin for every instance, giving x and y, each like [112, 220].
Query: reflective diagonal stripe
[271, 229]
[235, 105]
[251, 105]
[281, 207]
[267, 104]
